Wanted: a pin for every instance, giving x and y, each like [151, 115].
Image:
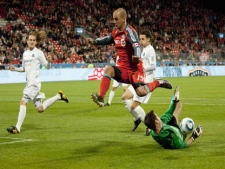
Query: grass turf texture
[82, 135]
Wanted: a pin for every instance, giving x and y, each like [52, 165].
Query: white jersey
[148, 56]
[32, 59]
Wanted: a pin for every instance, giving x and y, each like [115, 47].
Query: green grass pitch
[82, 135]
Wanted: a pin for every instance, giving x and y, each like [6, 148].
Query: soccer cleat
[13, 130]
[63, 96]
[176, 94]
[164, 84]
[147, 131]
[97, 99]
[107, 104]
[136, 124]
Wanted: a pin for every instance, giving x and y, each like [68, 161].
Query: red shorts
[129, 76]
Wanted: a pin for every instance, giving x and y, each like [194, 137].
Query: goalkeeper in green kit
[165, 129]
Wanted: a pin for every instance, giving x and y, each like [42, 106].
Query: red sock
[153, 85]
[104, 86]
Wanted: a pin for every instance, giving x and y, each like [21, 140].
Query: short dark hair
[150, 120]
[148, 34]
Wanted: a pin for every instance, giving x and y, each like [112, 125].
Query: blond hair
[41, 36]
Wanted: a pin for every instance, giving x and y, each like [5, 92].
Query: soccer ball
[187, 125]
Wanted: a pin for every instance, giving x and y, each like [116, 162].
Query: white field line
[15, 140]
[187, 101]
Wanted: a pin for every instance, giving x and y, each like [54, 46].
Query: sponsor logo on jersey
[123, 42]
[136, 45]
[28, 60]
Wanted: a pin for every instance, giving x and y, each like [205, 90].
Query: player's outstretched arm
[13, 68]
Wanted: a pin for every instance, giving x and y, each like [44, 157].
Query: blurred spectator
[197, 28]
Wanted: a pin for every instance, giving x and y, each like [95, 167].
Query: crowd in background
[182, 29]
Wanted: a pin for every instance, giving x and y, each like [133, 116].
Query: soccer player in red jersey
[130, 67]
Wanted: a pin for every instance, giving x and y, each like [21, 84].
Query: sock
[104, 85]
[128, 104]
[140, 113]
[21, 117]
[111, 95]
[50, 101]
[153, 85]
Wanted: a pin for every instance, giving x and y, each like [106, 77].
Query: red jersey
[127, 45]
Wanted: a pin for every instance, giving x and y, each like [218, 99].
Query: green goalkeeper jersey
[170, 136]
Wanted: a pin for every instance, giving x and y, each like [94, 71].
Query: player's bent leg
[142, 91]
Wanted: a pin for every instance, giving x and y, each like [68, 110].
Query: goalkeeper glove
[196, 133]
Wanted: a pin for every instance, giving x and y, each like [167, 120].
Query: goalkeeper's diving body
[165, 129]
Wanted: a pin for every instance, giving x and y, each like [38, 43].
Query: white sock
[128, 104]
[140, 113]
[50, 101]
[21, 117]
[111, 95]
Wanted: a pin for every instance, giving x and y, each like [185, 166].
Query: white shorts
[117, 84]
[32, 93]
[144, 99]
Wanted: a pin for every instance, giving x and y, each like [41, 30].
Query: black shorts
[117, 76]
[173, 122]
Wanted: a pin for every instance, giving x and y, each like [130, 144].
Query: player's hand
[197, 132]
[89, 40]
[49, 58]
[12, 68]
[135, 59]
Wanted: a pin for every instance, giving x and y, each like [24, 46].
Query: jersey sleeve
[166, 117]
[22, 68]
[133, 38]
[107, 40]
[43, 60]
[151, 64]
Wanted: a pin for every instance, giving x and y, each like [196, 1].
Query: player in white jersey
[115, 85]
[149, 62]
[32, 59]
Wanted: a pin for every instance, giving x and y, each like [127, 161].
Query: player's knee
[123, 97]
[40, 109]
[22, 102]
[134, 105]
[141, 91]
[109, 70]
